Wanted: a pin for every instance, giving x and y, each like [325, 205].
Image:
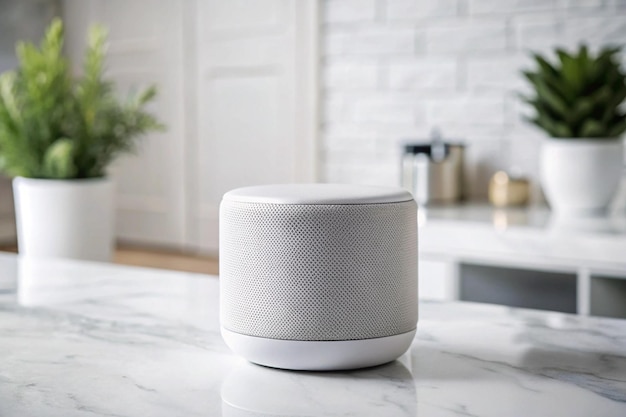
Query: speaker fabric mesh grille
[318, 272]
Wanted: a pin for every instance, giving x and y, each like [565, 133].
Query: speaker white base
[318, 355]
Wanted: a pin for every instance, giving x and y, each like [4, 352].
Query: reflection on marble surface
[81, 339]
[252, 390]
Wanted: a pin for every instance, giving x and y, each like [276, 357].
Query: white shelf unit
[523, 258]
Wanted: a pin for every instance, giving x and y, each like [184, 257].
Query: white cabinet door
[145, 47]
[437, 279]
[237, 85]
[255, 117]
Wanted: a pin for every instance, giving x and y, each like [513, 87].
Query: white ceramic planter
[581, 176]
[65, 218]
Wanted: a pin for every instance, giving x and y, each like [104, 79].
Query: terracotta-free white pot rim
[45, 182]
[587, 141]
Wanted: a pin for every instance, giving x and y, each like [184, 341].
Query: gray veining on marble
[80, 339]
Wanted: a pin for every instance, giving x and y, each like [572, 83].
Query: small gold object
[505, 190]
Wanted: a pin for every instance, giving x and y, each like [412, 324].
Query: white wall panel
[237, 90]
[249, 86]
[238, 15]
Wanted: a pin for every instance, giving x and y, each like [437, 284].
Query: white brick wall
[350, 75]
[375, 40]
[422, 9]
[510, 6]
[422, 75]
[349, 11]
[467, 37]
[395, 69]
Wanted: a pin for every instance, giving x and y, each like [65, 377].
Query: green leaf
[535, 121]
[58, 161]
[593, 129]
[546, 67]
[552, 127]
[556, 103]
[583, 58]
[617, 129]
[603, 64]
[585, 106]
[146, 95]
[551, 76]
[562, 130]
[613, 103]
[7, 95]
[609, 52]
[571, 71]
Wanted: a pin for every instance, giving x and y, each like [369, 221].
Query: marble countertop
[82, 339]
[531, 236]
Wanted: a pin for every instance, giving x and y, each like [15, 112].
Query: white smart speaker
[318, 276]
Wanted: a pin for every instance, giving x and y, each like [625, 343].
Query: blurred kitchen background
[270, 91]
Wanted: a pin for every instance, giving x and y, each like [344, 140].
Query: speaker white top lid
[315, 194]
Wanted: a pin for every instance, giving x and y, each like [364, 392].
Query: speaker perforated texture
[318, 272]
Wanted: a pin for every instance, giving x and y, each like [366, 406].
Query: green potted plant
[578, 103]
[58, 135]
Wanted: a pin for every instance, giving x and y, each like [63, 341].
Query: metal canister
[433, 171]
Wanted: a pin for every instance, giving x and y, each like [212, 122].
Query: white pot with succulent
[58, 135]
[577, 103]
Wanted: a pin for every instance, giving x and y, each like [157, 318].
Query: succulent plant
[54, 125]
[580, 95]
